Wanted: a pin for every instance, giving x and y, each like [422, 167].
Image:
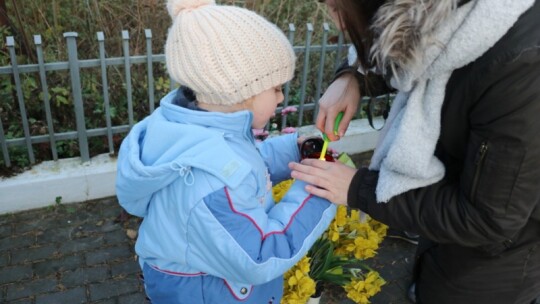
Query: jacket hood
[173, 142]
[403, 29]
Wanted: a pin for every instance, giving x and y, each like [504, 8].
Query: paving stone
[4, 259]
[5, 230]
[392, 273]
[76, 295]
[17, 241]
[50, 267]
[133, 223]
[34, 224]
[106, 301]
[7, 218]
[113, 288]
[56, 235]
[82, 244]
[32, 254]
[82, 217]
[116, 237]
[403, 283]
[108, 254]
[3, 293]
[29, 288]
[110, 208]
[29, 215]
[390, 294]
[85, 275]
[125, 268]
[17, 273]
[106, 208]
[100, 227]
[135, 298]
[21, 301]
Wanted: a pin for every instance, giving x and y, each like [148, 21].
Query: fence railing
[76, 67]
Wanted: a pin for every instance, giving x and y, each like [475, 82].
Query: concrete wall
[72, 181]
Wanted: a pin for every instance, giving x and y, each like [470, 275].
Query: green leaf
[60, 90]
[61, 100]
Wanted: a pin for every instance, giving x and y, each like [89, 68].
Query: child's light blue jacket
[211, 226]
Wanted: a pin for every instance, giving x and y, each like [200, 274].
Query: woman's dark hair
[356, 16]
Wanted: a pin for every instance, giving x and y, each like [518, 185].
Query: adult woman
[459, 159]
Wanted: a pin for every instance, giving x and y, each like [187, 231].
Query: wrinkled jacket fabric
[211, 230]
[481, 223]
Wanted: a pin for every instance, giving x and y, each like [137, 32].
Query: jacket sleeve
[234, 238]
[499, 186]
[370, 84]
[277, 152]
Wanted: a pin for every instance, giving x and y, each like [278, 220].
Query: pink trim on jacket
[263, 236]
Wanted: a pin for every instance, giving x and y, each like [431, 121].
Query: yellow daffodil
[341, 216]
[279, 190]
[347, 241]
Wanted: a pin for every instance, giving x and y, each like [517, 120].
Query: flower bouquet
[337, 257]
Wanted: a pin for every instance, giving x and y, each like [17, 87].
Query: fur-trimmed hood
[404, 29]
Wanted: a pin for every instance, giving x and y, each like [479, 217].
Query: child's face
[264, 106]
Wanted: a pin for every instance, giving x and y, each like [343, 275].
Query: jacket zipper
[478, 162]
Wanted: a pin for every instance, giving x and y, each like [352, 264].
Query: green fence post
[74, 71]
[46, 96]
[18, 87]
[326, 28]
[305, 69]
[149, 66]
[105, 82]
[287, 92]
[127, 68]
[7, 161]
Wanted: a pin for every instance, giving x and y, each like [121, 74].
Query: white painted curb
[74, 181]
[68, 179]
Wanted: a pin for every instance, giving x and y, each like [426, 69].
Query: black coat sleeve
[370, 84]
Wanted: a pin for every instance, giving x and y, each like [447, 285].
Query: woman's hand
[329, 180]
[343, 95]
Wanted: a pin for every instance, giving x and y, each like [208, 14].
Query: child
[211, 231]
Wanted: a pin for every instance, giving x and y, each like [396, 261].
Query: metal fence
[76, 67]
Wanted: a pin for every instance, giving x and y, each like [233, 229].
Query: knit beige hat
[225, 54]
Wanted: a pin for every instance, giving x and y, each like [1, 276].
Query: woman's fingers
[348, 115]
[327, 179]
[329, 126]
[317, 163]
[311, 174]
[319, 192]
[321, 119]
[342, 95]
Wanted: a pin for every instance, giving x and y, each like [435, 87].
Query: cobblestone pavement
[66, 254]
[83, 253]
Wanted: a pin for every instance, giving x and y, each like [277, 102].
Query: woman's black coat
[481, 223]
